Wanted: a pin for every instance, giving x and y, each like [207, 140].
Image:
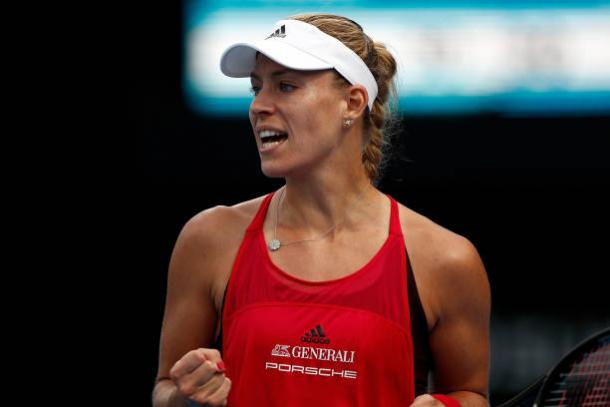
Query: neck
[315, 204]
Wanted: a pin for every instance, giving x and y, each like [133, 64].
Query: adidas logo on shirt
[315, 335]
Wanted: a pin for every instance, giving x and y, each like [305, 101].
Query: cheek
[318, 113]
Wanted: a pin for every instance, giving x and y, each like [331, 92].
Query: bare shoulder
[443, 246]
[212, 228]
[209, 241]
[447, 264]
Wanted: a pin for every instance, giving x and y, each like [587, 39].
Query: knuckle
[173, 374]
[199, 354]
[174, 371]
[185, 388]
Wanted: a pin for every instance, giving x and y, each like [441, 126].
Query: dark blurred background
[531, 192]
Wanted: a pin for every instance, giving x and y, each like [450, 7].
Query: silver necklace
[275, 243]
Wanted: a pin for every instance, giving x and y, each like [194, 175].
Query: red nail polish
[220, 366]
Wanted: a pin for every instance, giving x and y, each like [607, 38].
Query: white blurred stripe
[441, 51]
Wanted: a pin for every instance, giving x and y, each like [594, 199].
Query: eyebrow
[279, 72]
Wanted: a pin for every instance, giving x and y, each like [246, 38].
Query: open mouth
[270, 138]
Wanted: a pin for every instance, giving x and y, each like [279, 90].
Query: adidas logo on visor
[280, 32]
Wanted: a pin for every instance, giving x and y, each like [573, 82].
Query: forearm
[165, 394]
[470, 399]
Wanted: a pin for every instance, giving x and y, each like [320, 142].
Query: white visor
[300, 46]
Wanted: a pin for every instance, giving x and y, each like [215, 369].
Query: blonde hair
[382, 65]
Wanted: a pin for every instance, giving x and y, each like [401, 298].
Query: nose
[262, 104]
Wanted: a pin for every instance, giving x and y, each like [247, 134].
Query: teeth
[268, 133]
[269, 144]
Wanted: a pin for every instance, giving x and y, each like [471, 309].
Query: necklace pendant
[274, 245]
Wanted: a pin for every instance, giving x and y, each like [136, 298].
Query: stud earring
[347, 123]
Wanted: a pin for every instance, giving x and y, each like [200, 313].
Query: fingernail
[220, 366]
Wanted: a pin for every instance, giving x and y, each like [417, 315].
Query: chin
[272, 171]
[275, 169]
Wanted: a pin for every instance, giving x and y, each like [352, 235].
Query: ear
[357, 101]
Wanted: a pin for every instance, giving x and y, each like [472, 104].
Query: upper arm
[460, 339]
[190, 316]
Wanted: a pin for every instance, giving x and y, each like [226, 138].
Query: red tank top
[343, 342]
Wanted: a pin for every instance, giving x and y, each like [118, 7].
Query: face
[296, 117]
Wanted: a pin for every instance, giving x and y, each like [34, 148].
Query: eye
[254, 90]
[286, 87]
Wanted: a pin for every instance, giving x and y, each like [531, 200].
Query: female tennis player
[326, 292]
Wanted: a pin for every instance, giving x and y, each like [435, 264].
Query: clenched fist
[199, 377]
